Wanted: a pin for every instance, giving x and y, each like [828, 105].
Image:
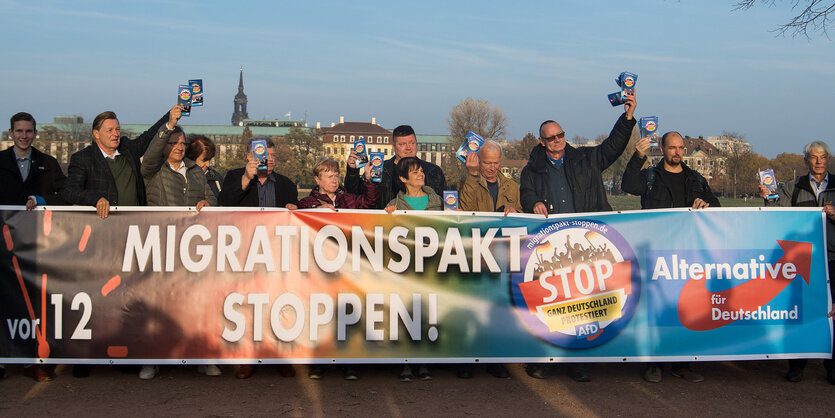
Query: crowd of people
[164, 167]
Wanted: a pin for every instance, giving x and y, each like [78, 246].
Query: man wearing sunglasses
[562, 179]
[559, 178]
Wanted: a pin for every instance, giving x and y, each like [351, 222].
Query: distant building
[69, 134]
[432, 148]
[338, 139]
[226, 138]
[513, 168]
[240, 114]
[275, 123]
[69, 120]
[587, 143]
[729, 144]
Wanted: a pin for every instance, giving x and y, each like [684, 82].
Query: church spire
[240, 114]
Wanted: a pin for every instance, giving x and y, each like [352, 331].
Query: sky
[702, 67]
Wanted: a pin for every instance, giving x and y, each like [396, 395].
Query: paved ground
[731, 389]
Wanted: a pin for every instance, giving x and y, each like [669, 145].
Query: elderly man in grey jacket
[816, 189]
[171, 179]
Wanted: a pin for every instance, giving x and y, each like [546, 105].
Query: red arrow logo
[696, 302]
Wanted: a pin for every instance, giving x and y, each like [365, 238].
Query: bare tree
[236, 152]
[741, 168]
[306, 149]
[579, 140]
[613, 175]
[521, 149]
[478, 116]
[815, 15]
[787, 166]
[733, 134]
[288, 164]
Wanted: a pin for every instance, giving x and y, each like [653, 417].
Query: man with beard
[668, 184]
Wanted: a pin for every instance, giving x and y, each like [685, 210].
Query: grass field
[629, 202]
[634, 202]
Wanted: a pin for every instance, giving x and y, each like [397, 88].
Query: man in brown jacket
[486, 189]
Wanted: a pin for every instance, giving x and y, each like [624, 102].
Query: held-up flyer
[184, 98]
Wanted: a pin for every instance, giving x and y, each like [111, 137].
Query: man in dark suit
[29, 177]
[248, 186]
[269, 189]
[107, 172]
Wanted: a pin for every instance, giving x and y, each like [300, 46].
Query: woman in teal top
[415, 195]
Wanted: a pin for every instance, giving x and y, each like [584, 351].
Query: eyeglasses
[560, 135]
[174, 144]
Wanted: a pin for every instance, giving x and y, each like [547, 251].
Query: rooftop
[356, 127]
[212, 130]
[432, 139]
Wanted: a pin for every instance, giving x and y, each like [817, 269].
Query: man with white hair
[486, 189]
[816, 189]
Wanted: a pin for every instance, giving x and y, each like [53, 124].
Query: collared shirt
[181, 169]
[562, 198]
[818, 188]
[266, 192]
[23, 163]
[105, 155]
[555, 162]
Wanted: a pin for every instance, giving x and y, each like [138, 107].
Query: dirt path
[731, 389]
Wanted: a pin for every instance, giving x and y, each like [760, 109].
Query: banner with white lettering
[227, 286]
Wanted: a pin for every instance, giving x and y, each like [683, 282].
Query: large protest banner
[223, 286]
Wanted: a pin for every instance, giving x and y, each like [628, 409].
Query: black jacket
[215, 180]
[799, 192]
[660, 195]
[231, 193]
[584, 167]
[89, 178]
[390, 184]
[45, 179]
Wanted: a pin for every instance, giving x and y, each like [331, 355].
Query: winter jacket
[799, 192]
[343, 199]
[474, 195]
[584, 167]
[231, 193]
[659, 194]
[166, 187]
[390, 184]
[401, 204]
[45, 179]
[89, 178]
[215, 180]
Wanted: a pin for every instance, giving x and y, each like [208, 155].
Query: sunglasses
[560, 135]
